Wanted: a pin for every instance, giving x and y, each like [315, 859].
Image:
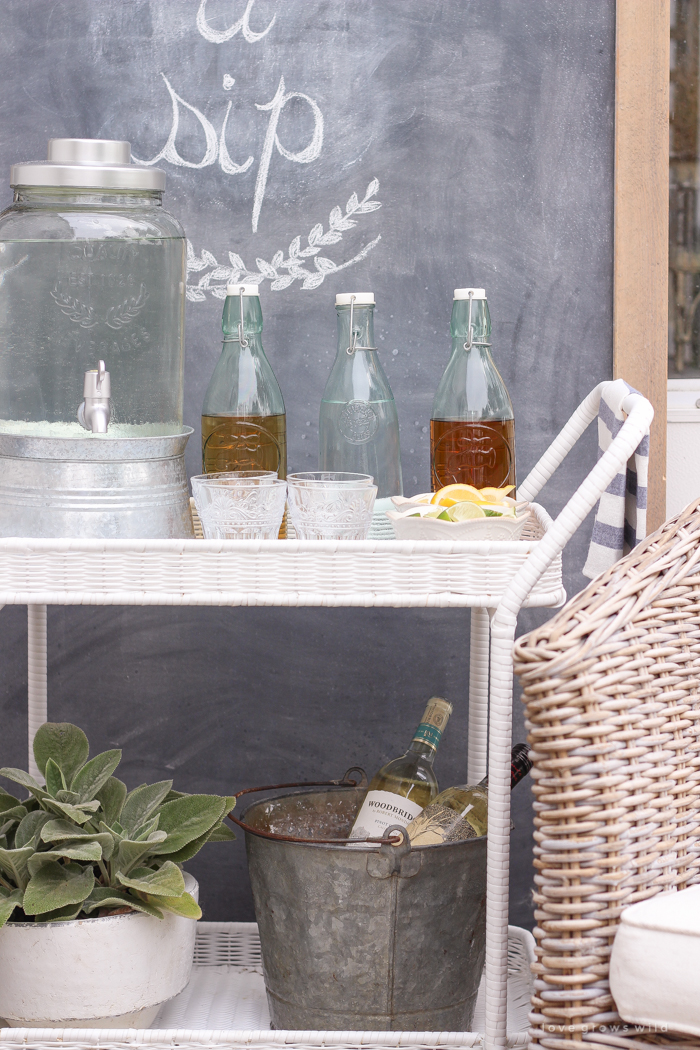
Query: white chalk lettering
[216, 36]
[304, 156]
[169, 151]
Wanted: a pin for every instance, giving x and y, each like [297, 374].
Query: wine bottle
[462, 812]
[472, 433]
[401, 788]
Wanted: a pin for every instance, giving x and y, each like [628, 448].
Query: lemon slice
[465, 511]
[451, 494]
[495, 495]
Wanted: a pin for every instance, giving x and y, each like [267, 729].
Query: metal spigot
[94, 413]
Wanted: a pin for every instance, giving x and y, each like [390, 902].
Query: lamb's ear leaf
[80, 814]
[56, 886]
[30, 828]
[88, 780]
[7, 801]
[20, 777]
[71, 911]
[83, 851]
[14, 863]
[111, 797]
[185, 819]
[129, 853]
[8, 905]
[141, 803]
[164, 882]
[55, 781]
[107, 897]
[65, 744]
[221, 833]
[184, 905]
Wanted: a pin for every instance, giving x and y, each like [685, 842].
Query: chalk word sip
[215, 145]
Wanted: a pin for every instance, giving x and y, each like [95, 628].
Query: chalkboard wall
[401, 146]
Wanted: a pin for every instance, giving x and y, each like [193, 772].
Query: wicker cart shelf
[494, 579]
[225, 1005]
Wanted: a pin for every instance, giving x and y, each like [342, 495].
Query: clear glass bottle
[461, 812]
[401, 788]
[92, 268]
[472, 433]
[358, 425]
[244, 424]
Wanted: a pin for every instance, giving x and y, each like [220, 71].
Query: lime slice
[465, 511]
[498, 510]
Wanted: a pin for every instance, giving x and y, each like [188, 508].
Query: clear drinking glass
[358, 423]
[240, 505]
[331, 505]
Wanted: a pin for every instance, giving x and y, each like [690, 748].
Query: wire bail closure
[470, 341]
[241, 336]
[350, 350]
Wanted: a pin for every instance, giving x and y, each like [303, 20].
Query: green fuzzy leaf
[71, 911]
[16, 813]
[8, 904]
[85, 851]
[184, 905]
[146, 829]
[142, 802]
[79, 815]
[230, 804]
[65, 744]
[88, 781]
[30, 827]
[106, 897]
[13, 862]
[130, 853]
[55, 781]
[7, 801]
[56, 886]
[185, 819]
[175, 794]
[20, 777]
[221, 833]
[165, 882]
[58, 830]
[111, 797]
[71, 797]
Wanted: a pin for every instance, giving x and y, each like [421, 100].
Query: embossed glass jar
[91, 268]
[358, 424]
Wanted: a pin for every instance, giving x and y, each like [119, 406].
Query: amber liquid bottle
[472, 433]
[244, 425]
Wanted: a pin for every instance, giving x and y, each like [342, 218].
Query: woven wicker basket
[612, 690]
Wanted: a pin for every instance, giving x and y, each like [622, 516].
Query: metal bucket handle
[392, 838]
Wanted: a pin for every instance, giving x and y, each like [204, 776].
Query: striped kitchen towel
[621, 516]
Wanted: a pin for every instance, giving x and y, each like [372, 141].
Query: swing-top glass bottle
[472, 433]
[358, 424]
[243, 416]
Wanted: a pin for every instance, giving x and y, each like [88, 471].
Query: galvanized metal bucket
[363, 938]
[95, 487]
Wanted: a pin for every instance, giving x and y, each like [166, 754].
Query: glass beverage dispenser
[92, 290]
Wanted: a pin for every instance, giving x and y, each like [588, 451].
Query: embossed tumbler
[331, 504]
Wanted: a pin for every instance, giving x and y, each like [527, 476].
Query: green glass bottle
[401, 788]
[472, 433]
[244, 425]
[461, 812]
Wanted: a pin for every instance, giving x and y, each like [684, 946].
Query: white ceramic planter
[112, 972]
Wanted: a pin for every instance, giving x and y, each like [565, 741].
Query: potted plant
[97, 916]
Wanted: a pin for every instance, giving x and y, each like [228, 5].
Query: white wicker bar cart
[224, 1003]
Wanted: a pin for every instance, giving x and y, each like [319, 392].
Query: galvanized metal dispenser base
[95, 487]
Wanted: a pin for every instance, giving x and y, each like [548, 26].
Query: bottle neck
[362, 328]
[428, 735]
[251, 329]
[520, 766]
[471, 323]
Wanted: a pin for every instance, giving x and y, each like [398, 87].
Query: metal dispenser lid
[100, 164]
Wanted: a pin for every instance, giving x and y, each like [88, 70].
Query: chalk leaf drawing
[279, 271]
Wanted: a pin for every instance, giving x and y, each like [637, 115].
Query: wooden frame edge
[640, 289]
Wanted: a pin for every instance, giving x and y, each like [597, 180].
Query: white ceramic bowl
[408, 527]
